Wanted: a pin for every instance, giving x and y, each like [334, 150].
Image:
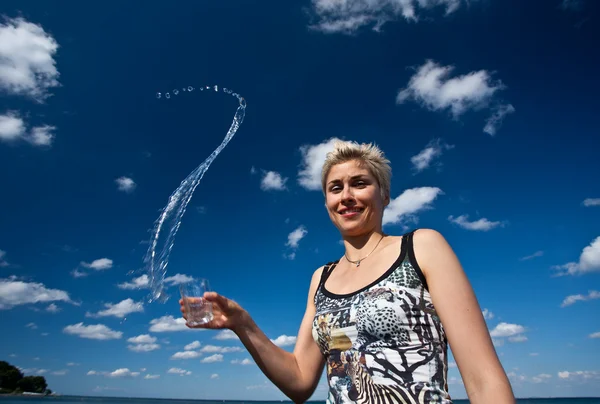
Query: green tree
[9, 376]
[33, 384]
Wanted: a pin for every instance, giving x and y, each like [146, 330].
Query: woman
[380, 317]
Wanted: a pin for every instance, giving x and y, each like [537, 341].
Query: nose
[347, 194]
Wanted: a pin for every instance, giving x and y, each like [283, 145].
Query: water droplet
[190, 88]
[176, 91]
[167, 95]
[242, 102]
[201, 88]
[158, 95]
[184, 89]
[216, 88]
[208, 87]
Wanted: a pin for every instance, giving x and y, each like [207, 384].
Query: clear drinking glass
[198, 311]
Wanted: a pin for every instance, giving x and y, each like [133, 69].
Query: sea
[116, 400]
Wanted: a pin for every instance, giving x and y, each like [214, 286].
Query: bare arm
[295, 374]
[459, 311]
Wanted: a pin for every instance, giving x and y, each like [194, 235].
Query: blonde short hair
[368, 155]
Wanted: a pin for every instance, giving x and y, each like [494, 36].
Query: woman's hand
[226, 313]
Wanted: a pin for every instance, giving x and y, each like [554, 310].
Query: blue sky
[487, 110]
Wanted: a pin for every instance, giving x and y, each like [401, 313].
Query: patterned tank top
[383, 343]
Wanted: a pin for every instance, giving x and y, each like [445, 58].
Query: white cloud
[534, 255]
[3, 262]
[168, 323]
[295, 237]
[507, 330]
[52, 308]
[410, 202]
[272, 181]
[118, 373]
[242, 362]
[41, 135]
[14, 293]
[347, 16]
[12, 127]
[213, 358]
[518, 338]
[214, 376]
[220, 349]
[482, 224]
[59, 372]
[125, 184]
[569, 300]
[591, 202]
[27, 65]
[432, 88]
[143, 343]
[425, 157]
[192, 346]
[95, 331]
[284, 340]
[142, 339]
[76, 273]
[121, 309]
[143, 281]
[123, 372]
[137, 283]
[225, 335]
[177, 279]
[541, 378]
[589, 261]
[34, 371]
[595, 335]
[488, 315]
[149, 376]
[33, 326]
[313, 157]
[186, 355]
[494, 122]
[178, 371]
[143, 347]
[580, 374]
[99, 264]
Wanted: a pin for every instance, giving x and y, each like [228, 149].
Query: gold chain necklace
[357, 262]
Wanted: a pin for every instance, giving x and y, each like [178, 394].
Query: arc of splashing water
[157, 261]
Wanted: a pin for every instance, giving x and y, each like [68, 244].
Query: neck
[357, 247]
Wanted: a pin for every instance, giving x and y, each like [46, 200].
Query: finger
[214, 297]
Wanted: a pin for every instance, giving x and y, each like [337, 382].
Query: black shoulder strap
[410, 250]
[327, 270]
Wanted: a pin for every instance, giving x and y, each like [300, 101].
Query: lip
[346, 213]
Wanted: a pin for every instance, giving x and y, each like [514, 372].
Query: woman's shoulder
[428, 236]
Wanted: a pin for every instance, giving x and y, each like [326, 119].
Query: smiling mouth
[350, 211]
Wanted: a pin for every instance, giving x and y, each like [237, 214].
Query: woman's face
[353, 199]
